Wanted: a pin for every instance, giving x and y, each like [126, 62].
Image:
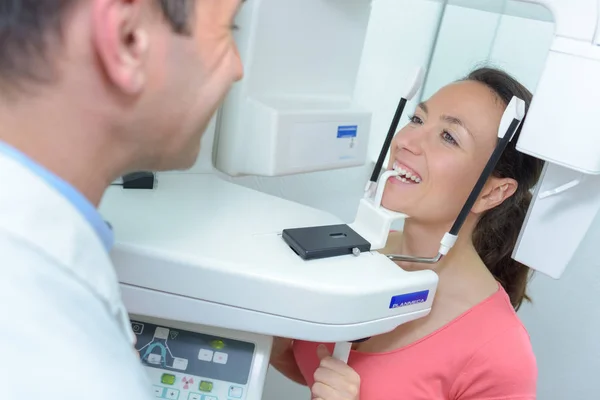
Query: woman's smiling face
[442, 151]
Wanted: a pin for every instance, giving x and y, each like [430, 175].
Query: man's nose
[238, 66]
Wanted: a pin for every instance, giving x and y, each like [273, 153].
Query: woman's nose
[410, 140]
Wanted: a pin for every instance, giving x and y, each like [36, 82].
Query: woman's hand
[334, 379]
[283, 360]
[280, 346]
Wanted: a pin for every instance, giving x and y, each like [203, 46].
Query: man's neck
[59, 139]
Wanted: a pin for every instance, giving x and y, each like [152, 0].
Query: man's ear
[495, 191]
[121, 41]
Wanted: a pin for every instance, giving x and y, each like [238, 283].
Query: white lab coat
[64, 332]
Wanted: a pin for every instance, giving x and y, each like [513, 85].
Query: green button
[217, 344]
[206, 386]
[168, 379]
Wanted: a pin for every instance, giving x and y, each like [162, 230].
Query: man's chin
[187, 161]
[179, 162]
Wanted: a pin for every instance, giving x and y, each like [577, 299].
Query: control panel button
[158, 391]
[217, 344]
[161, 333]
[137, 328]
[194, 396]
[205, 355]
[210, 398]
[167, 379]
[235, 392]
[220, 358]
[205, 386]
[172, 394]
[180, 363]
[187, 382]
[154, 359]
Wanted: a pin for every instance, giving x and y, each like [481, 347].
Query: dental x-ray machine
[211, 271]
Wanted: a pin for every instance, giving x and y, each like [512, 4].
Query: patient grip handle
[341, 351]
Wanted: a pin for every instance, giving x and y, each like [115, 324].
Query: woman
[472, 344]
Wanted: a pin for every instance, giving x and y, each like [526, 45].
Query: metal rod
[483, 178]
[388, 140]
[422, 260]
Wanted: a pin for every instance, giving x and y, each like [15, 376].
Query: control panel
[193, 364]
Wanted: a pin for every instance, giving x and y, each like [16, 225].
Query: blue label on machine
[347, 131]
[409, 299]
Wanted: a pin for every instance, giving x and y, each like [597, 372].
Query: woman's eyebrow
[456, 121]
[448, 118]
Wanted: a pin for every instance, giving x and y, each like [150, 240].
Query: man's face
[187, 78]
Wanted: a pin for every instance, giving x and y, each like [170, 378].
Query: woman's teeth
[405, 176]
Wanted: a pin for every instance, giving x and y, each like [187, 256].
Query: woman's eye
[447, 137]
[415, 120]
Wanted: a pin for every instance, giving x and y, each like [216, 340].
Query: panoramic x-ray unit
[210, 271]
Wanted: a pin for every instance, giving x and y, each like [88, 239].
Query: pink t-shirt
[484, 354]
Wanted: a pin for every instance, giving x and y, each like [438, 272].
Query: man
[90, 90]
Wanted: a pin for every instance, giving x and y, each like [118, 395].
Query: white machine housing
[208, 253]
[200, 238]
[559, 129]
[293, 111]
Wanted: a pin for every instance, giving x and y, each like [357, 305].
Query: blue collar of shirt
[85, 207]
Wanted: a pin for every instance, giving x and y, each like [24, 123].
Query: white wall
[521, 48]
[470, 37]
[465, 39]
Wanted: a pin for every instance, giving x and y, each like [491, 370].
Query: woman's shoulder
[489, 320]
[501, 362]
[503, 367]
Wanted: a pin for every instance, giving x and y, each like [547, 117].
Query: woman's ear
[494, 193]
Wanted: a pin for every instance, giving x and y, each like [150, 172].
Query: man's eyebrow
[423, 106]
